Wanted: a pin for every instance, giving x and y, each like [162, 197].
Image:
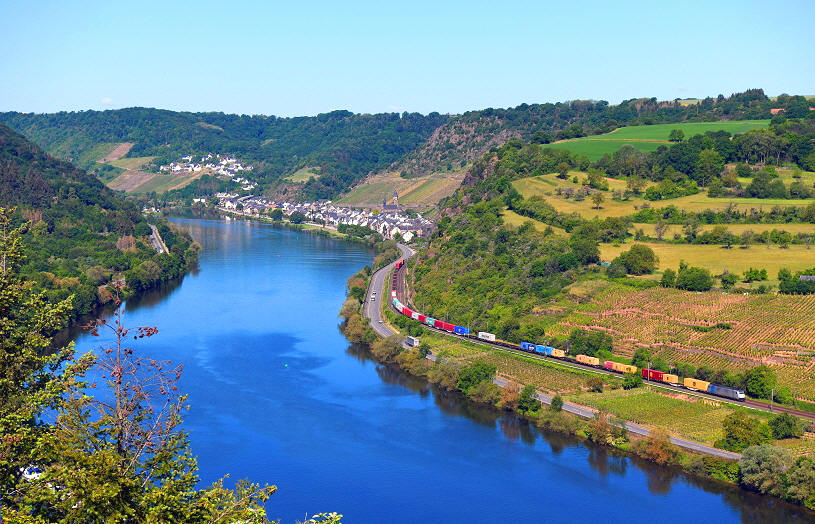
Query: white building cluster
[387, 224]
[225, 165]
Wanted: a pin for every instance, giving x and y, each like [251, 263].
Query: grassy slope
[649, 138]
[413, 192]
[302, 176]
[796, 258]
[763, 325]
[131, 163]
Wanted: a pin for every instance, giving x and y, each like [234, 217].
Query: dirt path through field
[118, 152]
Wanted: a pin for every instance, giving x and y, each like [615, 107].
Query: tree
[660, 228]
[787, 426]
[729, 280]
[603, 429]
[297, 217]
[759, 381]
[746, 237]
[475, 373]
[595, 384]
[563, 169]
[677, 135]
[632, 380]
[276, 214]
[694, 279]
[510, 396]
[557, 403]
[598, 199]
[31, 376]
[764, 468]
[657, 447]
[123, 455]
[801, 482]
[639, 260]
[742, 431]
[668, 278]
[529, 400]
[710, 165]
[691, 227]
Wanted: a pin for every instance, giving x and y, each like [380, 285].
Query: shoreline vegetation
[783, 470]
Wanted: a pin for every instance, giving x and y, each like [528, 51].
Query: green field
[131, 163]
[303, 175]
[649, 138]
[99, 151]
[543, 186]
[717, 258]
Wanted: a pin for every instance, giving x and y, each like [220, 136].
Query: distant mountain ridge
[345, 147]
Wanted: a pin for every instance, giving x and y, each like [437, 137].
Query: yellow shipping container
[671, 379]
[559, 353]
[693, 383]
[591, 361]
[628, 369]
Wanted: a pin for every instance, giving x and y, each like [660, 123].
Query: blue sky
[305, 57]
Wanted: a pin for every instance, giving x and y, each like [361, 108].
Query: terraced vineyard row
[723, 331]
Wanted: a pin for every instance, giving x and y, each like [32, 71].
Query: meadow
[715, 258]
[302, 175]
[649, 138]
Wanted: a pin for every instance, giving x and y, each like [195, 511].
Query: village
[224, 165]
[389, 221]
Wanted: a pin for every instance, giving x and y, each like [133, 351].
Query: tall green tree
[31, 379]
[122, 454]
[710, 165]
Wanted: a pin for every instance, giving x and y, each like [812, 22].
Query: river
[279, 397]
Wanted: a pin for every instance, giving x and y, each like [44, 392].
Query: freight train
[548, 351]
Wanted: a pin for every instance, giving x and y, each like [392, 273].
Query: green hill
[344, 147]
[82, 234]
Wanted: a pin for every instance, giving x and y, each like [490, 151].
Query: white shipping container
[483, 335]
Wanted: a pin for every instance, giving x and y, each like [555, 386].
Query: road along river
[278, 396]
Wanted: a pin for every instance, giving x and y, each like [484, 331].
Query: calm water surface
[279, 397]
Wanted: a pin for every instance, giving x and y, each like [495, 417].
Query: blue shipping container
[527, 346]
[540, 349]
[459, 330]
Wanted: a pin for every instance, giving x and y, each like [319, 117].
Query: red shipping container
[608, 364]
[406, 311]
[422, 318]
[448, 326]
[438, 323]
[653, 374]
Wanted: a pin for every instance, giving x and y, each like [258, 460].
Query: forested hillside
[341, 145]
[542, 281]
[82, 234]
[466, 137]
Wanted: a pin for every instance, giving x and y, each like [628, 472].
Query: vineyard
[695, 419]
[545, 375]
[722, 331]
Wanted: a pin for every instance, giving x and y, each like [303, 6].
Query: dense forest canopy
[82, 234]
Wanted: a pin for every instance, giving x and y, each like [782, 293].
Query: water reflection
[660, 480]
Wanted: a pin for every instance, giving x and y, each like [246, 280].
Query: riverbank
[524, 376]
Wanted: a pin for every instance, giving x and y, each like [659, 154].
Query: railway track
[399, 285]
